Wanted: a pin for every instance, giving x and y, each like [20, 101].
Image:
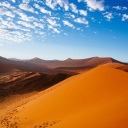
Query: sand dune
[119, 66]
[50, 66]
[25, 66]
[70, 63]
[114, 65]
[124, 68]
[6, 69]
[95, 99]
[24, 82]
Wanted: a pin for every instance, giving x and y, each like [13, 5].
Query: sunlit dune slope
[119, 66]
[114, 65]
[95, 99]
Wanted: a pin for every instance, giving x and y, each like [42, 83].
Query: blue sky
[58, 29]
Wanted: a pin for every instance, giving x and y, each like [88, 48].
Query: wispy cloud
[25, 24]
[83, 12]
[52, 22]
[53, 4]
[108, 15]
[13, 1]
[55, 30]
[124, 17]
[42, 9]
[67, 23]
[73, 8]
[26, 7]
[120, 8]
[94, 4]
[81, 21]
[4, 11]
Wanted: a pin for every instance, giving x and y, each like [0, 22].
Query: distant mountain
[14, 59]
[48, 66]
[25, 66]
[73, 63]
[5, 68]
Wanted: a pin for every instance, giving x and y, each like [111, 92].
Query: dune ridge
[95, 99]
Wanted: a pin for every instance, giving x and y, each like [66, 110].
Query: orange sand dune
[114, 65]
[119, 66]
[95, 99]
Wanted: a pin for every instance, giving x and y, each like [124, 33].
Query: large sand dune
[95, 99]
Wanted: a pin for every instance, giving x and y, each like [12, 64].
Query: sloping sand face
[95, 99]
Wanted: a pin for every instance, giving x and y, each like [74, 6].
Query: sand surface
[94, 99]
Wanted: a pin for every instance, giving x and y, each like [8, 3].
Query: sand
[94, 99]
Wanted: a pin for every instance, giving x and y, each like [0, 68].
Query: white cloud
[124, 17]
[5, 4]
[42, 9]
[66, 34]
[67, 23]
[52, 22]
[73, 8]
[4, 11]
[83, 12]
[40, 25]
[24, 17]
[63, 4]
[13, 1]
[26, 7]
[25, 1]
[119, 8]
[54, 29]
[7, 25]
[81, 21]
[108, 15]
[53, 4]
[69, 15]
[14, 36]
[26, 24]
[94, 4]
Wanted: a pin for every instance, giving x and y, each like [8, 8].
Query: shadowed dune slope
[95, 99]
[4, 68]
[124, 68]
[25, 82]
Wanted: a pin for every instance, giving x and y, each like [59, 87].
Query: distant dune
[73, 64]
[38, 65]
[94, 99]
[6, 69]
[24, 66]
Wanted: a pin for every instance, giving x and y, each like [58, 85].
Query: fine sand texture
[94, 99]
